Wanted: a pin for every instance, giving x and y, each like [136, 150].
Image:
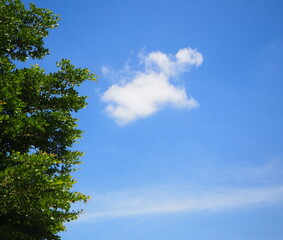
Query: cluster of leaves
[36, 197]
[23, 30]
[37, 129]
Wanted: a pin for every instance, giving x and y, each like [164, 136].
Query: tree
[37, 129]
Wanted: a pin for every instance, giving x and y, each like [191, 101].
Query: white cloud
[149, 201]
[189, 56]
[145, 92]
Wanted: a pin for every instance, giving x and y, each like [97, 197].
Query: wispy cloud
[247, 173]
[142, 93]
[154, 201]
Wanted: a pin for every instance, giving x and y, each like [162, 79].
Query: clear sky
[184, 131]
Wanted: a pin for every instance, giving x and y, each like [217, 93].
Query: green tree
[37, 129]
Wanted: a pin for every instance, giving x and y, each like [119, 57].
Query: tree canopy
[37, 129]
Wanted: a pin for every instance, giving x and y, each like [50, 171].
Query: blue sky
[184, 134]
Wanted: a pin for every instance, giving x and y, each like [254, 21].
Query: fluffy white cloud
[189, 56]
[148, 91]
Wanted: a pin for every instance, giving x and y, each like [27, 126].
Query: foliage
[34, 204]
[23, 30]
[37, 129]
